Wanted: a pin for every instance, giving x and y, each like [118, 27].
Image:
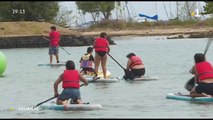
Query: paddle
[191, 82]
[56, 97]
[59, 46]
[128, 73]
[44, 101]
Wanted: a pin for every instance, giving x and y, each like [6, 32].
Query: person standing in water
[54, 44]
[101, 46]
[70, 79]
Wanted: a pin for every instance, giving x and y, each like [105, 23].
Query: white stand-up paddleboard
[109, 79]
[144, 78]
[100, 74]
[178, 96]
[102, 80]
[70, 107]
[53, 64]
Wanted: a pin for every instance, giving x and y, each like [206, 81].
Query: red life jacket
[71, 79]
[204, 70]
[135, 61]
[85, 62]
[101, 44]
[54, 38]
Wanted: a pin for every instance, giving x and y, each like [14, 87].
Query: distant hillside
[29, 29]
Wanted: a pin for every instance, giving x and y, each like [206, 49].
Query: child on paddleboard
[87, 61]
[70, 79]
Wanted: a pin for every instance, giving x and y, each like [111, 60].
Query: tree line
[48, 11]
[28, 11]
[33, 11]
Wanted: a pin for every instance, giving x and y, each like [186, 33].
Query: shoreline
[153, 32]
[38, 29]
[27, 28]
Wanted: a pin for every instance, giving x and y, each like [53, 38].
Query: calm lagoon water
[25, 84]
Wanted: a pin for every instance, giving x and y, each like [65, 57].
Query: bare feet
[206, 95]
[79, 101]
[65, 104]
[66, 107]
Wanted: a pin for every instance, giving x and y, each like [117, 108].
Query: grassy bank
[172, 27]
[112, 27]
[123, 25]
[29, 29]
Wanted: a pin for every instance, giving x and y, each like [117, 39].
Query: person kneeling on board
[134, 65]
[70, 79]
[87, 61]
[203, 71]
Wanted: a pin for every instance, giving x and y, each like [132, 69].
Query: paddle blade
[129, 74]
[190, 84]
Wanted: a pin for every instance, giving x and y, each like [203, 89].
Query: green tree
[186, 8]
[5, 11]
[64, 17]
[94, 8]
[29, 11]
[88, 7]
[105, 8]
[208, 9]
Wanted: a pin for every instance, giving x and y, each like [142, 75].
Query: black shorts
[101, 53]
[204, 87]
[138, 72]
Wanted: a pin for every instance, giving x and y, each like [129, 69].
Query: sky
[164, 9]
